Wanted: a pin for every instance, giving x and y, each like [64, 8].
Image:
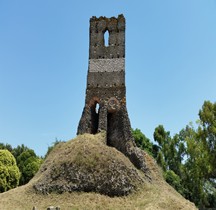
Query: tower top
[116, 39]
[120, 17]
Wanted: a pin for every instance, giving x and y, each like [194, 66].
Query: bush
[9, 172]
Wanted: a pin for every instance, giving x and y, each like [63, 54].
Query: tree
[27, 161]
[9, 172]
[143, 142]
[174, 180]
[17, 151]
[6, 146]
[28, 164]
[195, 166]
[171, 150]
[188, 158]
[207, 132]
[170, 156]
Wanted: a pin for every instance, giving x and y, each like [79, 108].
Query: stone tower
[105, 102]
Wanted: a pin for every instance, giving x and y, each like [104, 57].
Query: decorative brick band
[107, 65]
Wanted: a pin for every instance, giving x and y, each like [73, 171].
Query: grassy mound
[102, 163]
[87, 164]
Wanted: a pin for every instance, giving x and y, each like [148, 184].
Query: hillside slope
[102, 164]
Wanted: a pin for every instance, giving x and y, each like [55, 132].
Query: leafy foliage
[6, 146]
[144, 143]
[27, 161]
[28, 164]
[9, 172]
[188, 158]
[173, 179]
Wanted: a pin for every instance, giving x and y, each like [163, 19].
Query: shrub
[9, 172]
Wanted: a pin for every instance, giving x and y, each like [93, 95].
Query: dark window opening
[109, 131]
[95, 118]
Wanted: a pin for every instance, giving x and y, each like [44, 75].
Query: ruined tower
[105, 102]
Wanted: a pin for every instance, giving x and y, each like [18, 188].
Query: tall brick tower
[105, 103]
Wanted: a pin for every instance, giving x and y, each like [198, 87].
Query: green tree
[188, 158]
[6, 146]
[170, 156]
[28, 163]
[171, 150]
[144, 143]
[9, 172]
[174, 180]
[207, 133]
[194, 166]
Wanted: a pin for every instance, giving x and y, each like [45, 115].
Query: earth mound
[87, 164]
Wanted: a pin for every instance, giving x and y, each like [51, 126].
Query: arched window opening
[106, 38]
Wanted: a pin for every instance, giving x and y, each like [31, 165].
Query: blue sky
[170, 65]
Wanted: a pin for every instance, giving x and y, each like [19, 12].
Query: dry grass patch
[89, 152]
[149, 197]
